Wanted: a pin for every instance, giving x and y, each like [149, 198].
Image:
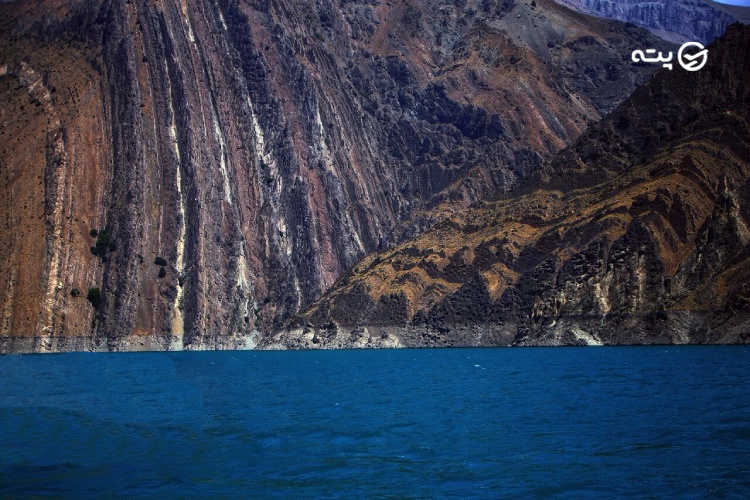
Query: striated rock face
[677, 20]
[638, 234]
[203, 170]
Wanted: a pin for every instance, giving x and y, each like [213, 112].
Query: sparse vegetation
[95, 297]
[102, 239]
[103, 243]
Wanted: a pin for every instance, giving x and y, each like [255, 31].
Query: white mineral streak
[195, 53]
[219, 136]
[640, 273]
[243, 284]
[260, 150]
[586, 337]
[601, 296]
[242, 278]
[326, 155]
[188, 25]
[355, 235]
[178, 320]
[221, 18]
[178, 328]
[272, 169]
[54, 247]
[260, 140]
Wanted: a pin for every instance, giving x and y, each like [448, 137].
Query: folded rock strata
[638, 234]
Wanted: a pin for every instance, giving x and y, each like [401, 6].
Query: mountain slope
[676, 20]
[235, 158]
[637, 234]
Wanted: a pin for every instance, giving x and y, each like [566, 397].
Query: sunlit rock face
[637, 234]
[677, 20]
[235, 158]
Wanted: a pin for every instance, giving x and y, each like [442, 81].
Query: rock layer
[638, 234]
[235, 158]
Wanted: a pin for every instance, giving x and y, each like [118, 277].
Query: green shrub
[160, 261]
[94, 250]
[93, 232]
[95, 297]
[162, 272]
[102, 239]
[102, 243]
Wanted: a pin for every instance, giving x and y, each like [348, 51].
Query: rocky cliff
[638, 234]
[188, 174]
[677, 20]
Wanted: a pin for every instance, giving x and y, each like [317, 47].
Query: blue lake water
[567, 422]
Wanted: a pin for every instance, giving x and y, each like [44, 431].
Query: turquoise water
[565, 422]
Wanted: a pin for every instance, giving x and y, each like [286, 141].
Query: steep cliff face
[677, 20]
[202, 170]
[640, 233]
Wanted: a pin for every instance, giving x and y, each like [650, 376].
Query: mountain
[735, 9]
[675, 20]
[637, 234]
[202, 171]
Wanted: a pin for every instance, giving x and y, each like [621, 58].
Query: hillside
[202, 171]
[637, 234]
